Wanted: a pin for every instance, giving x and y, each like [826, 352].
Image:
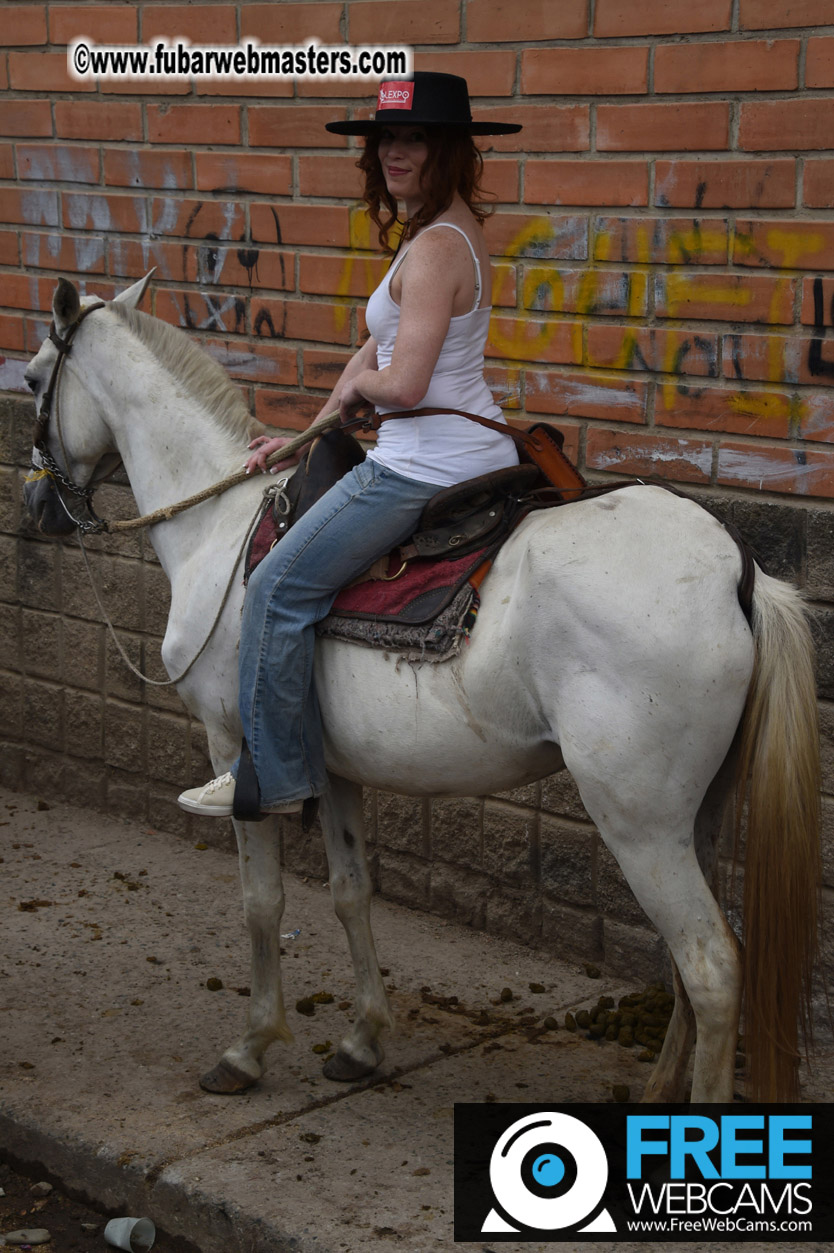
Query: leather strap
[375, 420]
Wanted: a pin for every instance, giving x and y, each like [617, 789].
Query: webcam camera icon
[548, 1171]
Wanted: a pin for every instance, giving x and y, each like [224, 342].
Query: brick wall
[664, 284]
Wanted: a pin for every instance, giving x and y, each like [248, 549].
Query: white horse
[610, 641]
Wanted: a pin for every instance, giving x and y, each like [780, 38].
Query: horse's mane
[204, 379]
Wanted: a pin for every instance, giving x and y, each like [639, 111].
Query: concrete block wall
[664, 249]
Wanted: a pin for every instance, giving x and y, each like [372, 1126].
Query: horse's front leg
[343, 824]
[263, 902]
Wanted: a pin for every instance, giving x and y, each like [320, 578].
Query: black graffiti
[816, 365]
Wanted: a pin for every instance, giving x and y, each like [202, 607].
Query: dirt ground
[73, 1227]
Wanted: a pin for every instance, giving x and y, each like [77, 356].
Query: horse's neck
[171, 447]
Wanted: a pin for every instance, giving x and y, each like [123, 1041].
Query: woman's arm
[438, 265]
[362, 361]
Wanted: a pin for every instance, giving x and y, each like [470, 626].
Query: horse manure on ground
[638, 1018]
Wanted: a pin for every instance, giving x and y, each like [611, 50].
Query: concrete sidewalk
[110, 933]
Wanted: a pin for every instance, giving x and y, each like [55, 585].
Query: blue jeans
[363, 516]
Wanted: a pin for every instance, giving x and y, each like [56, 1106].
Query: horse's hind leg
[668, 1079]
[263, 902]
[343, 824]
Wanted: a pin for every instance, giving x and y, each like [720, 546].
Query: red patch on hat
[396, 96]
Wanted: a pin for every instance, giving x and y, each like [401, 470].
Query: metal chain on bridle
[94, 525]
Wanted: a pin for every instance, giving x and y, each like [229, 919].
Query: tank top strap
[478, 282]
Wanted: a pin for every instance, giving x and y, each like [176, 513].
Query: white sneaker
[212, 800]
[216, 800]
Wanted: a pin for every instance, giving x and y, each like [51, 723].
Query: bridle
[93, 525]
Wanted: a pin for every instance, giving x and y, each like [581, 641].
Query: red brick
[586, 182]
[110, 24]
[799, 471]
[547, 288]
[504, 286]
[349, 275]
[91, 119]
[487, 72]
[329, 176]
[817, 302]
[292, 410]
[586, 395]
[778, 358]
[547, 128]
[318, 321]
[514, 21]
[816, 416]
[197, 219]
[84, 211]
[11, 332]
[777, 14]
[763, 413]
[544, 236]
[232, 172]
[725, 297]
[245, 267]
[535, 339]
[818, 184]
[6, 161]
[260, 363]
[131, 167]
[323, 368]
[660, 17]
[359, 89]
[652, 349]
[663, 127]
[792, 245]
[35, 331]
[4, 74]
[26, 117]
[36, 206]
[22, 291]
[500, 181]
[45, 72]
[300, 224]
[201, 23]
[154, 87]
[284, 24]
[222, 313]
[49, 163]
[738, 65]
[193, 123]
[663, 241]
[819, 63]
[294, 126]
[82, 254]
[127, 258]
[9, 252]
[406, 22]
[633, 453]
[601, 71]
[505, 384]
[731, 184]
[786, 125]
[24, 24]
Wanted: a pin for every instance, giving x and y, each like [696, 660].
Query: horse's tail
[779, 773]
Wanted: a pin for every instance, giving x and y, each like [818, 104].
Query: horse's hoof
[343, 1068]
[226, 1079]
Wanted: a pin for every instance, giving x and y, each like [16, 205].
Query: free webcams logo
[663, 1172]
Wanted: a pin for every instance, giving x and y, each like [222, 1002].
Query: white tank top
[443, 449]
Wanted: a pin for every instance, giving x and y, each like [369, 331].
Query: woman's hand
[266, 445]
[351, 401]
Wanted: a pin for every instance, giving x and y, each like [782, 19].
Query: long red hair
[454, 164]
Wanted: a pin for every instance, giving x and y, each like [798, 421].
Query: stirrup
[246, 806]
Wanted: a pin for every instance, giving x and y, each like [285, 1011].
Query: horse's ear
[65, 305]
[132, 296]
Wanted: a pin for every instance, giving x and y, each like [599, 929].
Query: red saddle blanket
[413, 594]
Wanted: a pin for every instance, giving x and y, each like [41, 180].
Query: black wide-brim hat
[426, 99]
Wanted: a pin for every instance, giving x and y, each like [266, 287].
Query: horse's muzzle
[42, 502]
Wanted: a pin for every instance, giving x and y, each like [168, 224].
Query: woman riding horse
[428, 323]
